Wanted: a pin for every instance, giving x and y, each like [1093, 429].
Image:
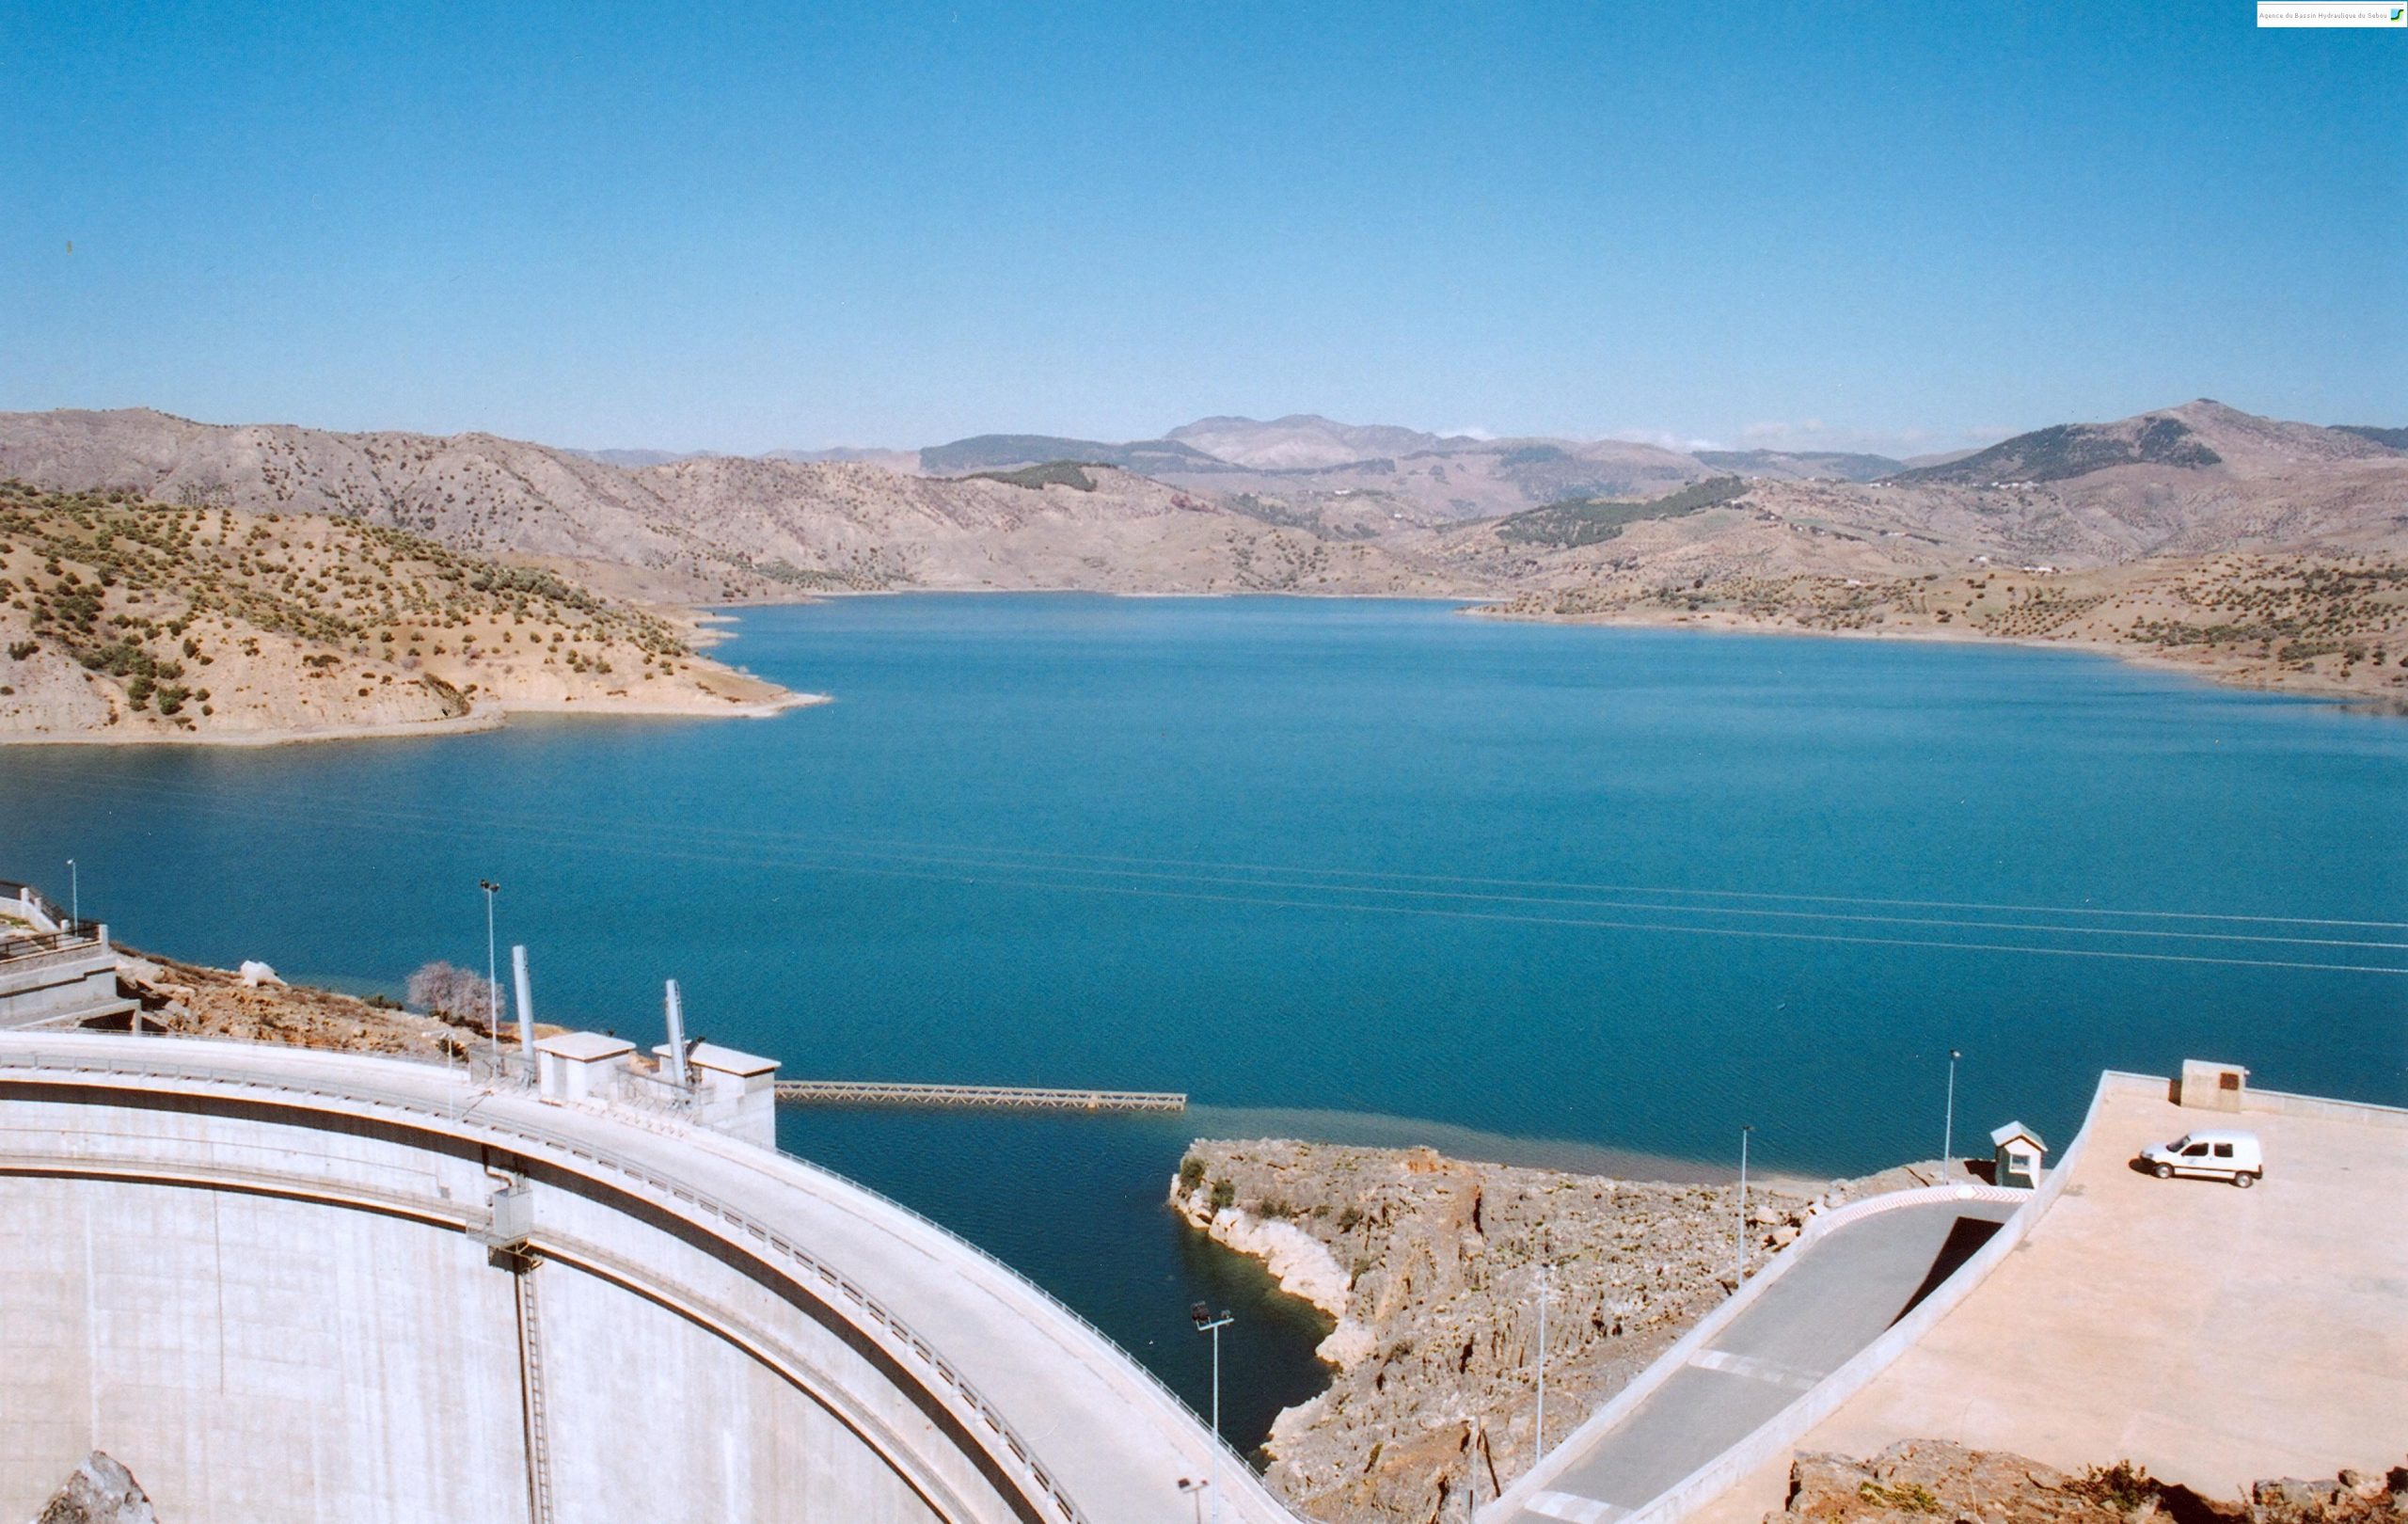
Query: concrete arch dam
[286, 1285]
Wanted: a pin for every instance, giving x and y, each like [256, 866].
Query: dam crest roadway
[292, 1284]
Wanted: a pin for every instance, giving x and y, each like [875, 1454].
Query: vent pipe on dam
[672, 1068]
[526, 1007]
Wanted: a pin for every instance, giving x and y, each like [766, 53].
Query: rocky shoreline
[1430, 1271]
[1917, 1481]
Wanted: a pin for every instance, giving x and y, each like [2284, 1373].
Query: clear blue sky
[741, 227]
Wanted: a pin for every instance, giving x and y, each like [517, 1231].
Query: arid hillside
[2132, 520]
[709, 529]
[126, 620]
[2306, 623]
[1060, 525]
[2270, 554]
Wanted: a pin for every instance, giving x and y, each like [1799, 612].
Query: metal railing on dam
[1014, 1097]
[75, 935]
[729, 1190]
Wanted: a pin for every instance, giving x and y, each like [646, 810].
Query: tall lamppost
[492, 975]
[1739, 1243]
[1207, 1324]
[1194, 1487]
[1948, 1139]
[1545, 1253]
[75, 895]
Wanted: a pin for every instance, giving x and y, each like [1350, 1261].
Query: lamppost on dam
[1207, 1324]
[1948, 1137]
[1546, 1254]
[492, 975]
[1194, 1487]
[1740, 1240]
[75, 895]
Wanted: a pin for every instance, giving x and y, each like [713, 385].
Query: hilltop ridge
[2155, 512]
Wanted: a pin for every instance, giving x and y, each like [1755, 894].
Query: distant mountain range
[1310, 469]
[1203, 507]
[1801, 465]
[1008, 451]
[1306, 441]
[1567, 528]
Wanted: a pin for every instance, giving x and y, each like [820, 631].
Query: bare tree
[455, 994]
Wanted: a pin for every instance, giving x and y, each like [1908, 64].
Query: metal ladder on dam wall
[505, 1240]
[530, 1389]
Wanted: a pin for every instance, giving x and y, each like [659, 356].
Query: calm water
[1580, 890]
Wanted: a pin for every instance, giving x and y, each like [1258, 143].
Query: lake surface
[1543, 893]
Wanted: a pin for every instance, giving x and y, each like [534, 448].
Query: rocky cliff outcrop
[1921, 1481]
[100, 1491]
[1431, 1269]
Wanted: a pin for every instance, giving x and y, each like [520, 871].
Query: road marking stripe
[1755, 1369]
[1571, 1506]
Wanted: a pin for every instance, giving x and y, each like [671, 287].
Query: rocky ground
[100, 1491]
[194, 1000]
[1430, 1269]
[1921, 1480]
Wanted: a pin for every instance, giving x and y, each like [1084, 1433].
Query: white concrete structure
[2212, 1087]
[2016, 1151]
[285, 1285]
[581, 1066]
[53, 971]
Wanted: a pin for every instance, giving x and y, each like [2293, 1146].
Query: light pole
[1948, 1139]
[1740, 1243]
[1194, 1487]
[1538, 1448]
[75, 895]
[492, 975]
[1206, 1323]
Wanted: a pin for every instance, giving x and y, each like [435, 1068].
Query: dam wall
[298, 1286]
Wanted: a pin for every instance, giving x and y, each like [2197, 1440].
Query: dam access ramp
[336, 1266]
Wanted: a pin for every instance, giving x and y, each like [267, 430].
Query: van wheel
[2245, 1181]
[2163, 1171]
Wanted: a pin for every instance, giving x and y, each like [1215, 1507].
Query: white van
[2217, 1154]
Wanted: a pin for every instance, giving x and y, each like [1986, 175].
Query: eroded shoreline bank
[1429, 1270]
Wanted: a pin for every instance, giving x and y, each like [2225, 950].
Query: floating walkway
[1022, 1097]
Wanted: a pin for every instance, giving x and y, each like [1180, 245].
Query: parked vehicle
[2217, 1154]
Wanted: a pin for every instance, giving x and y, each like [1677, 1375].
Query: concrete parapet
[2363, 1113]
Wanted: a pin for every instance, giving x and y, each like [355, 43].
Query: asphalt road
[1844, 1290]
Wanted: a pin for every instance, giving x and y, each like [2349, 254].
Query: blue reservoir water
[1369, 869]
